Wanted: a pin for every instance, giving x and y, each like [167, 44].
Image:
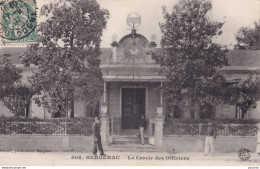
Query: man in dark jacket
[142, 127]
[97, 137]
[210, 138]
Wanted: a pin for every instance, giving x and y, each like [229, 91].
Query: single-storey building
[131, 81]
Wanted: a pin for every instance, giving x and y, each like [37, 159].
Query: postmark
[18, 21]
[244, 154]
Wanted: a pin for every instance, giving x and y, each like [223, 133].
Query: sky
[235, 14]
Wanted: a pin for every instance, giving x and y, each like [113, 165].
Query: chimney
[114, 45]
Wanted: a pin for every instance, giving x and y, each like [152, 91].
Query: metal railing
[182, 129]
[59, 127]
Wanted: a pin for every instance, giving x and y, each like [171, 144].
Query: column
[114, 45]
[159, 120]
[160, 106]
[258, 140]
[159, 131]
[104, 118]
[66, 139]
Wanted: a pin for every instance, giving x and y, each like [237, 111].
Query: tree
[190, 57]
[17, 99]
[67, 54]
[248, 38]
[9, 75]
[244, 94]
[13, 94]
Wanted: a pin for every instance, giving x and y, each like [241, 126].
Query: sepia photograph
[129, 83]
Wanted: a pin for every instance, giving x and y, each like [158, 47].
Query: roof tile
[244, 58]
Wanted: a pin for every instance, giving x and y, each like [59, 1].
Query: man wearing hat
[210, 138]
[97, 137]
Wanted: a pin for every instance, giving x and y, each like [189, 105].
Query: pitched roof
[239, 58]
[15, 53]
[245, 58]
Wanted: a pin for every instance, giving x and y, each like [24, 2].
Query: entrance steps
[131, 148]
[130, 143]
[133, 139]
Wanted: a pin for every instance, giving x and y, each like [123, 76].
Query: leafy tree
[13, 94]
[17, 98]
[248, 38]
[190, 57]
[9, 75]
[67, 54]
[244, 94]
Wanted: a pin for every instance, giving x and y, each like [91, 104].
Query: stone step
[129, 142]
[127, 138]
[130, 132]
[132, 148]
[132, 139]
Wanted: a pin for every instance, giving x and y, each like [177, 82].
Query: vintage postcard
[129, 83]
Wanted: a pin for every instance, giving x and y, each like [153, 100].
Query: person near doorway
[210, 139]
[142, 127]
[97, 137]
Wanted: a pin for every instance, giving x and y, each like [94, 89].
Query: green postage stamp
[18, 22]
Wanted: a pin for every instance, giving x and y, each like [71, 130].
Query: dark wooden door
[133, 105]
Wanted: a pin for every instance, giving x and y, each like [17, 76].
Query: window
[92, 109]
[26, 111]
[173, 112]
[240, 113]
[176, 112]
[63, 112]
[206, 111]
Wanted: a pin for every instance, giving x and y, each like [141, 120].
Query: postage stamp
[18, 22]
[129, 83]
[244, 154]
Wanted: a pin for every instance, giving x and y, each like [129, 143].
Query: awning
[134, 78]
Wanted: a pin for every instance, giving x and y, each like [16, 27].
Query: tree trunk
[70, 110]
[192, 110]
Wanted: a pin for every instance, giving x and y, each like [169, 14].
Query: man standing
[210, 139]
[142, 127]
[97, 137]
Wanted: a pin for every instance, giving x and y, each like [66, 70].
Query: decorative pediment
[133, 48]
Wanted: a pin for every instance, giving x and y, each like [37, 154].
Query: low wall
[196, 144]
[45, 143]
[85, 143]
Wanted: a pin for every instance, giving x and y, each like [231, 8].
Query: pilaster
[104, 125]
[159, 120]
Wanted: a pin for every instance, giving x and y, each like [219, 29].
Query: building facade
[132, 79]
